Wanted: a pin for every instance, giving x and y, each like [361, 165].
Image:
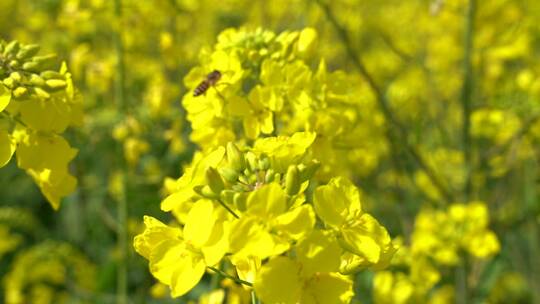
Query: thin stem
[401, 133]
[226, 275]
[462, 292]
[13, 118]
[466, 95]
[228, 209]
[254, 299]
[121, 105]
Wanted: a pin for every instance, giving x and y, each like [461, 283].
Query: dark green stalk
[121, 105]
[466, 95]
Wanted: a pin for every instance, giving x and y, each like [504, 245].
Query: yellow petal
[319, 252]
[267, 201]
[296, 223]
[200, 223]
[7, 147]
[279, 281]
[328, 288]
[5, 97]
[188, 272]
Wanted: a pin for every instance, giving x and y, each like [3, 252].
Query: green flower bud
[36, 80]
[15, 64]
[10, 83]
[229, 174]
[31, 66]
[205, 191]
[20, 92]
[252, 179]
[11, 49]
[27, 51]
[209, 193]
[16, 76]
[307, 171]
[244, 179]
[292, 180]
[239, 200]
[252, 161]
[214, 180]
[44, 61]
[235, 157]
[51, 75]
[269, 176]
[227, 196]
[264, 163]
[41, 93]
[238, 188]
[55, 84]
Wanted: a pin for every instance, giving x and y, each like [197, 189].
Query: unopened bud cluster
[247, 171]
[27, 74]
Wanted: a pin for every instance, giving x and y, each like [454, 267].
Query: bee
[211, 79]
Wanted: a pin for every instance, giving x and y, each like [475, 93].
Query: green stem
[462, 291]
[121, 105]
[228, 209]
[466, 95]
[254, 299]
[13, 118]
[226, 275]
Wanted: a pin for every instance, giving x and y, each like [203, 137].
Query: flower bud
[36, 80]
[244, 179]
[229, 174]
[307, 171]
[269, 176]
[235, 157]
[227, 196]
[205, 191]
[55, 84]
[27, 51]
[31, 66]
[41, 93]
[20, 92]
[12, 48]
[10, 83]
[44, 61]
[14, 64]
[264, 163]
[239, 200]
[252, 161]
[292, 180]
[214, 180]
[252, 178]
[51, 75]
[16, 76]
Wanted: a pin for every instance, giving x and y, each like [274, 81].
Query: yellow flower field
[302, 151]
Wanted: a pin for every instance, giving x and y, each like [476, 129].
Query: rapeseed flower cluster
[37, 104]
[257, 214]
[268, 87]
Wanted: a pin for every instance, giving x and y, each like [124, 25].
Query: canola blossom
[258, 214]
[269, 88]
[37, 104]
